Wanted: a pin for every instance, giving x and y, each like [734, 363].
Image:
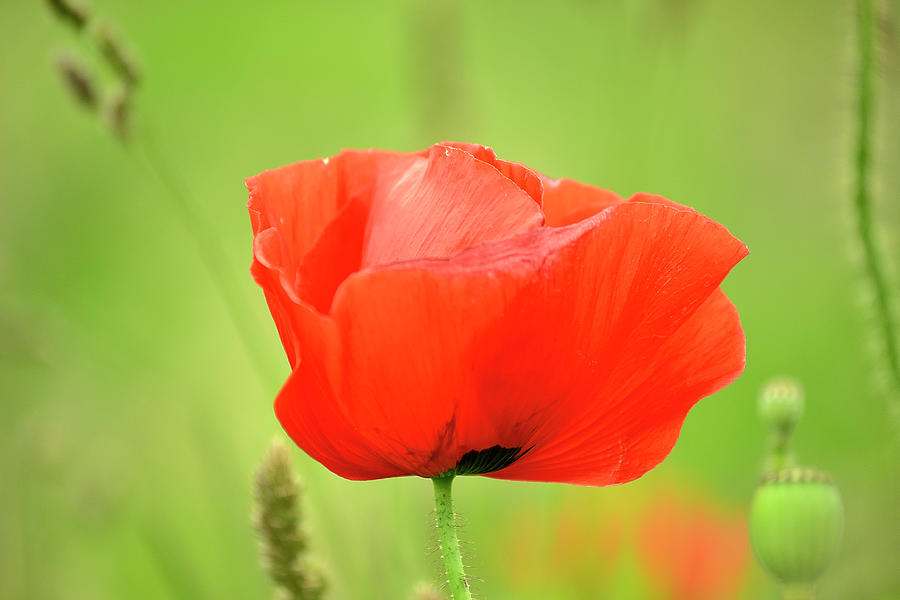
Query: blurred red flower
[571, 543]
[448, 309]
[587, 539]
[695, 550]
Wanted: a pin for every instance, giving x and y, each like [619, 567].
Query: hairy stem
[446, 526]
[862, 193]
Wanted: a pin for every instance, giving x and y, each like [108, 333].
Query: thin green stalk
[446, 526]
[118, 109]
[209, 249]
[780, 458]
[780, 454]
[862, 194]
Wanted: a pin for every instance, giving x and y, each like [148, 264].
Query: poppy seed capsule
[796, 522]
[781, 404]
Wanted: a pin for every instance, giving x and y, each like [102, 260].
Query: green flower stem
[862, 195]
[446, 526]
[780, 457]
[799, 593]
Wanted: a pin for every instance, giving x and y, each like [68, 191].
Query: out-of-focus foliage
[132, 412]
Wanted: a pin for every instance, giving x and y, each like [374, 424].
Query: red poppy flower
[446, 309]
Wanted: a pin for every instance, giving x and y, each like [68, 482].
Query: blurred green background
[132, 412]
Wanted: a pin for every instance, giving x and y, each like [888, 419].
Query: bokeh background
[132, 410]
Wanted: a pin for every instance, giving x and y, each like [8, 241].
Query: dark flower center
[479, 462]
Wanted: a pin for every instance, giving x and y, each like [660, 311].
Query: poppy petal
[567, 201]
[640, 428]
[444, 203]
[289, 207]
[647, 335]
[307, 410]
[528, 179]
[559, 341]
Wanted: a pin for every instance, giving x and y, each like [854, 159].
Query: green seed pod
[781, 404]
[796, 522]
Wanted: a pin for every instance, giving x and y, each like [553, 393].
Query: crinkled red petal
[567, 201]
[526, 178]
[316, 222]
[442, 204]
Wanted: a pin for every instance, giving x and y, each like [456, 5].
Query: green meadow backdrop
[133, 409]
